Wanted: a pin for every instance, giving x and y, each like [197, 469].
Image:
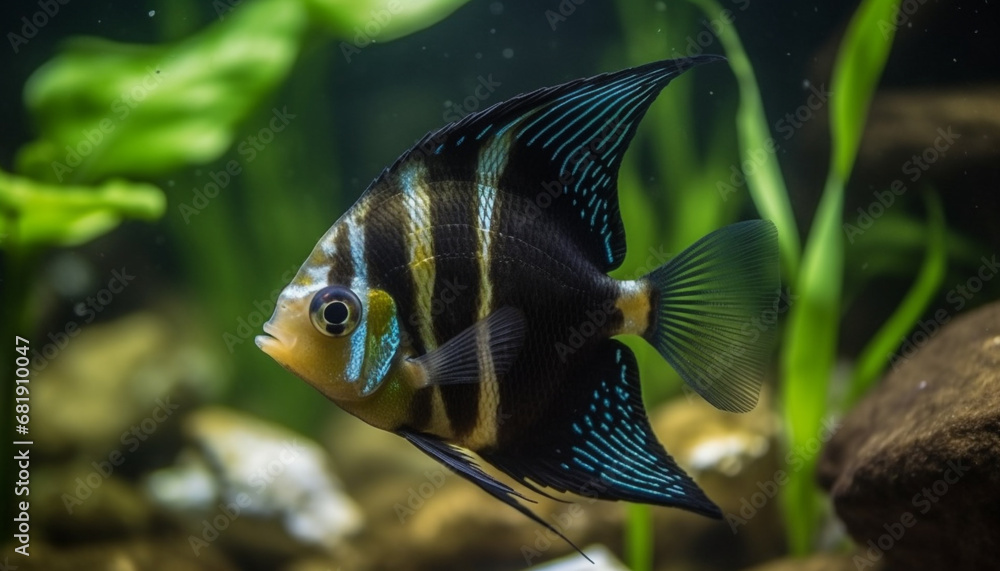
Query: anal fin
[598, 442]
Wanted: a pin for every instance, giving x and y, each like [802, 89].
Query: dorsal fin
[558, 147]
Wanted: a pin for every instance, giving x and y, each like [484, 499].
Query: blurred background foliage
[103, 110]
[245, 128]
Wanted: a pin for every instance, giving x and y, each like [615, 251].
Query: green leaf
[639, 537]
[859, 66]
[898, 244]
[109, 109]
[34, 213]
[807, 361]
[765, 181]
[361, 22]
[875, 355]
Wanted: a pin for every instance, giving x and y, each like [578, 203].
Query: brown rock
[257, 487]
[165, 554]
[119, 384]
[423, 516]
[734, 458]
[437, 520]
[71, 508]
[914, 471]
[816, 562]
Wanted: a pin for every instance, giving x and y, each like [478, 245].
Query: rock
[260, 487]
[423, 516]
[163, 554]
[78, 504]
[914, 471]
[361, 451]
[734, 458]
[115, 385]
[603, 560]
[905, 123]
[815, 562]
[437, 520]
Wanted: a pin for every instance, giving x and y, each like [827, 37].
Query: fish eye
[335, 311]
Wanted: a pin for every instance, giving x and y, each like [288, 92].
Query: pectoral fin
[494, 341]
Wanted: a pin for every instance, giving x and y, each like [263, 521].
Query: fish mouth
[276, 341]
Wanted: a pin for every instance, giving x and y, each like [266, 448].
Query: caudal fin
[713, 320]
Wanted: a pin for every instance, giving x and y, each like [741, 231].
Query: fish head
[341, 338]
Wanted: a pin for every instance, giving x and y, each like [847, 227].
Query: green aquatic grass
[676, 206]
[813, 323]
[810, 345]
[874, 358]
[639, 537]
[765, 182]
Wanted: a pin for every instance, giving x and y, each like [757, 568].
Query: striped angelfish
[464, 301]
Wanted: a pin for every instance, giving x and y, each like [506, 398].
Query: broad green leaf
[875, 356]
[35, 213]
[362, 22]
[757, 145]
[110, 109]
[807, 361]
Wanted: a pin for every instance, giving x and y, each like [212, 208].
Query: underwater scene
[679, 285]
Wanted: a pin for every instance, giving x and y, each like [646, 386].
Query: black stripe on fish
[421, 408]
[342, 266]
[540, 270]
[388, 251]
[455, 246]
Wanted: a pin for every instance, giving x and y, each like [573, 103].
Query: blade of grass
[807, 361]
[765, 182]
[639, 538]
[896, 235]
[873, 358]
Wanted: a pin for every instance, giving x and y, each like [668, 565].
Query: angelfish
[464, 301]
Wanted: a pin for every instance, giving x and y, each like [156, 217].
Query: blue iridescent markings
[610, 105]
[567, 100]
[385, 352]
[581, 124]
[618, 450]
[504, 129]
